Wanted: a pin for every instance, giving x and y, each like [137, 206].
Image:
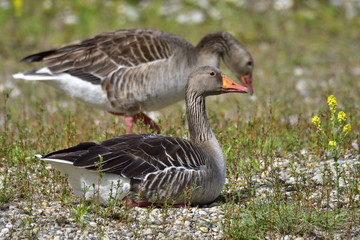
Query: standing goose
[130, 71]
[157, 168]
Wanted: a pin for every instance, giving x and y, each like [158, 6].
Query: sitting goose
[157, 168]
[130, 71]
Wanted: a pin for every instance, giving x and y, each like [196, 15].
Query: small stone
[105, 238]
[204, 229]
[61, 220]
[318, 178]
[68, 230]
[299, 238]
[57, 238]
[147, 231]
[159, 236]
[287, 237]
[9, 225]
[201, 212]
[5, 231]
[155, 212]
[19, 222]
[355, 145]
[187, 223]
[35, 230]
[93, 224]
[291, 180]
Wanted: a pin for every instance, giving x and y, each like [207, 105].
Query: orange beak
[247, 81]
[231, 86]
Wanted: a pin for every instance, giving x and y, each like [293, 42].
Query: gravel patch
[42, 218]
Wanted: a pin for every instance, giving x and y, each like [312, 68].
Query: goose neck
[215, 43]
[199, 126]
[211, 48]
[201, 133]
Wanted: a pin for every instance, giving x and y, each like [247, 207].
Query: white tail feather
[91, 94]
[50, 160]
[38, 75]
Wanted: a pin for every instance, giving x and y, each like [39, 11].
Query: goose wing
[96, 58]
[134, 156]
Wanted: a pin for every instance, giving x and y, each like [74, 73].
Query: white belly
[90, 94]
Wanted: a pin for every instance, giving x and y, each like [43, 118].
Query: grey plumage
[161, 167]
[137, 69]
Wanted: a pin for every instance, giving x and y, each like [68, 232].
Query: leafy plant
[79, 211]
[333, 140]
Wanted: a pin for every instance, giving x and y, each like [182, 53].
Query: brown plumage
[134, 70]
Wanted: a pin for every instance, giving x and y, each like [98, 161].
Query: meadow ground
[285, 176]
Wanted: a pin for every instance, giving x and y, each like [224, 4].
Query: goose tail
[35, 75]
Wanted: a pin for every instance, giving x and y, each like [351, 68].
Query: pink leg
[129, 122]
[147, 121]
[131, 119]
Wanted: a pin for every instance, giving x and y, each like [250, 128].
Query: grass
[301, 55]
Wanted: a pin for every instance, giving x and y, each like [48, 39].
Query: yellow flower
[341, 116]
[332, 143]
[18, 4]
[347, 128]
[316, 120]
[332, 102]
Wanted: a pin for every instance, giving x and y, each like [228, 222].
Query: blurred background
[303, 50]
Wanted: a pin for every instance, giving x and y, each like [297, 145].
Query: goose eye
[249, 63]
[212, 74]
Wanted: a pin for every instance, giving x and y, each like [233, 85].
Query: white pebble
[5, 231]
[92, 224]
[187, 223]
[287, 237]
[9, 225]
[201, 212]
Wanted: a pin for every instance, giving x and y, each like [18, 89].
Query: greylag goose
[151, 168]
[130, 71]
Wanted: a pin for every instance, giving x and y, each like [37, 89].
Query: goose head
[235, 56]
[207, 80]
[241, 64]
